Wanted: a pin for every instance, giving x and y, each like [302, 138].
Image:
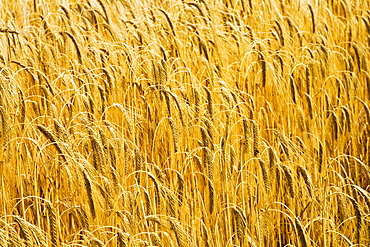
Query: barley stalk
[300, 232]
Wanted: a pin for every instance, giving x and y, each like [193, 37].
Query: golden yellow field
[185, 123]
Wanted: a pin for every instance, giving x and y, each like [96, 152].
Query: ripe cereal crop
[185, 123]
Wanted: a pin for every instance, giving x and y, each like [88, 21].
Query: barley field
[185, 123]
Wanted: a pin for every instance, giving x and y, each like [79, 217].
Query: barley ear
[25, 233]
[156, 240]
[50, 136]
[3, 133]
[148, 206]
[88, 187]
[121, 239]
[265, 174]
[211, 190]
[272, 158]
[262, 61]
[280, 32]
[342, 206]
[312, 18]
[348, 119]
[289, 177]
[209, 104]
[53, 224]
[22, 106]
[83, 218]
[292, 88]
[307, 179]
[180, 189]
[195, 95]
[175, 134]
[358, 215]
[255, 138]
[181, 235]
[334, 125]
[320, 156]
[240, 222]
[309, 105]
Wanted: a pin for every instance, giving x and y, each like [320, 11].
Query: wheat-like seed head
[240, 220]
[156, 240]
[53, 224]
[25, 233]
[89, 192]
[50, 136]
[289, 178]
[307, 179]
[181, 235]
[175, 134]
[83, 218]
[255, 138]
[265, 174]
[358, 218]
